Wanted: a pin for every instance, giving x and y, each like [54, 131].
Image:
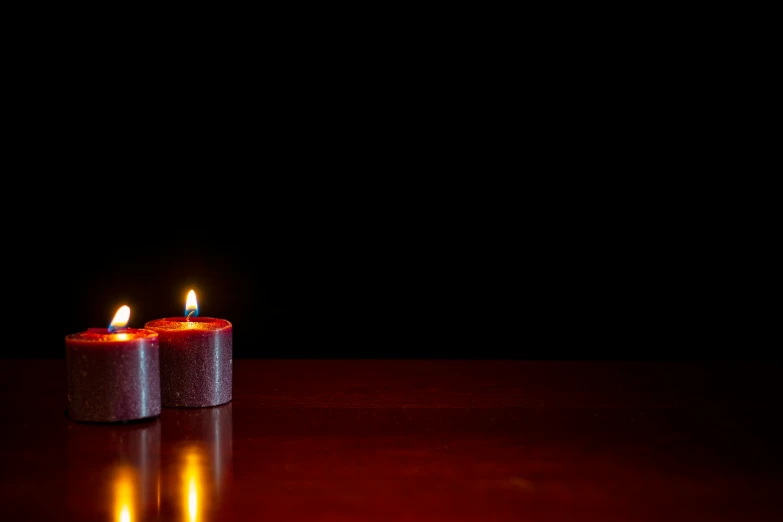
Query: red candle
[113, 373]
[195, 358]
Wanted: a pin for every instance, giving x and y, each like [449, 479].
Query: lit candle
[195, 358]
[113, 373]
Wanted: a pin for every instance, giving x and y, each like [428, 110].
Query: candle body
[195, 361]
[113, 377]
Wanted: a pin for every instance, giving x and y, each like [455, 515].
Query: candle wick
[188, 317]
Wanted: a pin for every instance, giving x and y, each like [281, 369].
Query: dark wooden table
[410, 440]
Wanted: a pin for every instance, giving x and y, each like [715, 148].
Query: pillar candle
[195, 358]
[113, 373]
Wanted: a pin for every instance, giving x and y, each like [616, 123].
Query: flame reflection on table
[192, 483]
[124, 494]
[200, 465]
[118, 463]
[177, 467]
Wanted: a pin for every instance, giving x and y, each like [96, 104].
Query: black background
[298, 280]
[383, 267]
[376, 202]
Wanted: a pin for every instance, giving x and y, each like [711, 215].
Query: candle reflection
[192, 500]
[123, 494]
[192, 483]
[201, 465]
[113, 471]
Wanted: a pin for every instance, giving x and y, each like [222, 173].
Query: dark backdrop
[327, 269]
[410, 213]
[293, 283]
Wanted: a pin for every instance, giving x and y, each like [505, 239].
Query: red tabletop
[409, 440]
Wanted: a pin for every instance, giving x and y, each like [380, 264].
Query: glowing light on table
[123, 495]
[192, 499]
[193, 486]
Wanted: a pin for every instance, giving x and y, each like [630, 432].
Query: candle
[195, 358]
[113, 373]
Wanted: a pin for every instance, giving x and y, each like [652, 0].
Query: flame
[123, 495]
[191, 305]
[120, 318]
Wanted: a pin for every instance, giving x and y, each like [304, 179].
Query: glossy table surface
[410, 440]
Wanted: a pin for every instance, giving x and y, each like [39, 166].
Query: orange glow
[192, 499]
[121, 317]
[193, 487]
[123, 495]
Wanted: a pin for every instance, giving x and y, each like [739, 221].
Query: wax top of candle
[107, 335]
[183, 323]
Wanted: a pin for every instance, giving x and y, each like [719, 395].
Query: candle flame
[191, 305]
[120, 318]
